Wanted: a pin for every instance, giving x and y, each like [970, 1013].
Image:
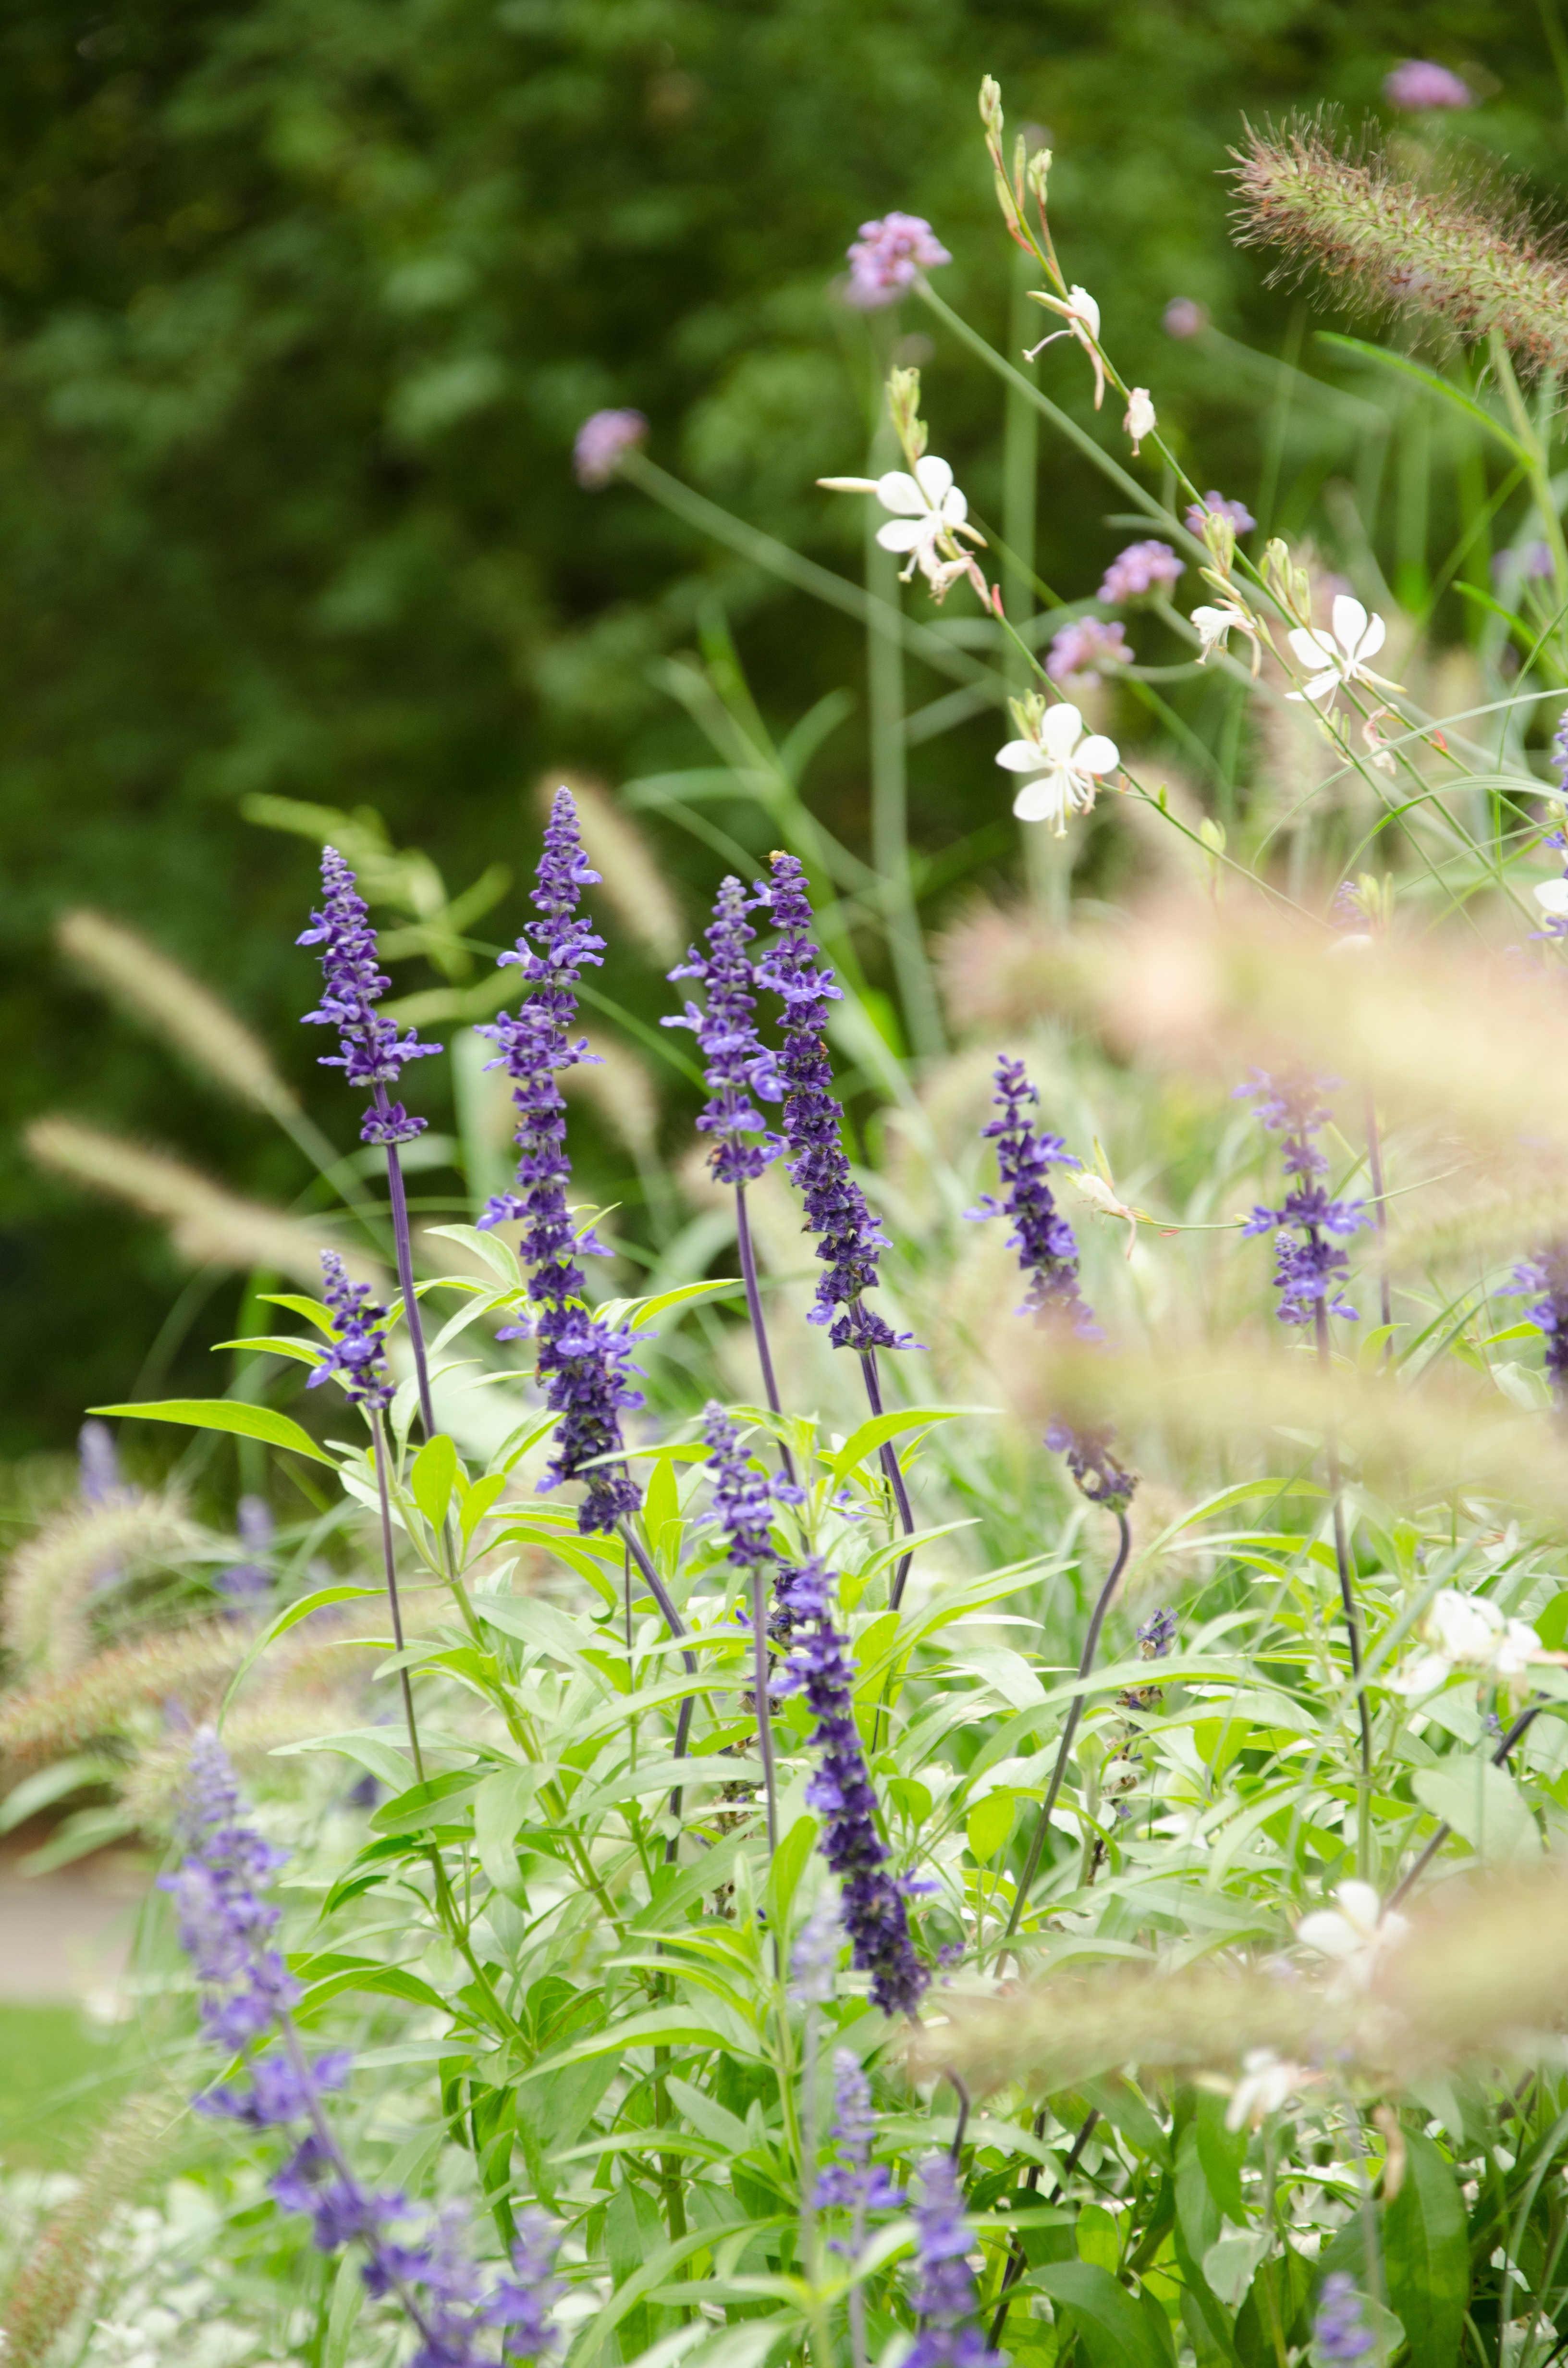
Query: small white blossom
[1102, 1198]
[1352, 1935]
[1468, 1633]
[1268, 2083]
[1212, 625]
[928, 513]
[1341, 656]
[1062, 762]
[1551, 895]
[1082, 315]
[1139, 421]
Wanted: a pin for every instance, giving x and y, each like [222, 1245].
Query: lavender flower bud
[1215, 505]
[1339, 2331]
[1308, 1272]
[370, 1050]
[97, 1463]
[1085, 647]
[358, 1354]
[853, 2183]
[1416, 84]
[848, 1236]
[738, 1072]
[813, 1960]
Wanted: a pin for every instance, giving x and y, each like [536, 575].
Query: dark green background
[300, 301]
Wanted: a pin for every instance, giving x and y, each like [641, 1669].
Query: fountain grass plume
[50, 1580]
[1463, 252]
[58, 2276]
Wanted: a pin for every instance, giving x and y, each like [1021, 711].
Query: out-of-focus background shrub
[300, 307]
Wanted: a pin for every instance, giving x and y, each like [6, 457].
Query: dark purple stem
[401, 1236]
[759, 1329]
[672, 1620]
[379, 1436]
[894, 1471]
[1085, 1663]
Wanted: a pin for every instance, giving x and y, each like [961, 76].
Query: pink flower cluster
[1416, 84]
[1216, 505]
[601, 440]
[1141, 567]
[886, 257]
[1083, 647]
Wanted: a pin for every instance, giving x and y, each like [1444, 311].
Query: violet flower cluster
[583, 1367]
[874, 1904]
[358, 1355]
[886, 257]
[943, 2284]
[370, 1050]
[1339, 2331]
[1309, 1272]
[1546, 1276]
[743, 1494]
[1217, 506]
[852, 2183]
[1085, 646]
[738, 1073]
[1142, 568]
[848, 1236]
[226, 1928]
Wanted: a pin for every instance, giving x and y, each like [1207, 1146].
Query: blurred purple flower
[1415, 85]
[1339, 2331]
[1309, 1270]
[854, 2183]
[1217, 506]
[601, 441]
[1085, 646]
[1141, 567]
[943, 2293]
[886, 257]
[1184, 318]
[244, 1583]
[1546, 1275]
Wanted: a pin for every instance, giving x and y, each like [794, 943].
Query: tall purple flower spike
[248, 1993]
[370, 1050]
[854, 2183]
[1308, 1272]
[739, 1073]
[943, 2284]
[848, 1236]
[583, 1367]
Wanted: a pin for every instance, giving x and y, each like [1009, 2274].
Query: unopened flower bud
[1007, 201]
[991, 106]
[1037, 174]
[904, 409]
[1219, 535]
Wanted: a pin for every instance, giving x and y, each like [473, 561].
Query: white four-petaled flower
[1340, 656]
[1212, 625]
[1353, 1935]
[928, 513]
[1063, 764]
[1082, 315]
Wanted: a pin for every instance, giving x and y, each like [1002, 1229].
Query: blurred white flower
[1102, 1198]
[1469, 1632]
[1551, 895]
[1212, 624]
[1082, 315]
[1268, 2083]
[1139, 421]
[1063, 764]
[928, 513]
[1341, 656]
[1352, 1935]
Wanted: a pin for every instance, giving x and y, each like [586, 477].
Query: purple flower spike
[370, 1050]
[224, 1926]
[1339, 2331]
[886, 257]
[1546, 1274]
[1308, 1272]
[854, 2183]
[848, 1236]
[874, 1903]
[1047, 1247]
[1100, 1474]
[943, 2284]
[739, 1073]
[358, 1355]
[743, 1494]
[582, 1366]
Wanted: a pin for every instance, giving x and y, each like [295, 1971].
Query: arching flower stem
[1085, 1663]
[894, 1471]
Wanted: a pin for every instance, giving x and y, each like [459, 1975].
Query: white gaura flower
[1064, 765]
[1082, 315]
[1551, 895]
[1212, 625]
[1140, 418]
[1353, 1935]
[1268, 2083]
[1468, 1633]
[1341, 657]
[929, 513]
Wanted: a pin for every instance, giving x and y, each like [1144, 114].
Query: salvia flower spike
[358, 1357]
[583, 1367]
[248, 1994]
[943, 2284]
[1309, 1272]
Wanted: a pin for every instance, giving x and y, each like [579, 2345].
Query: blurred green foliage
[299, 306]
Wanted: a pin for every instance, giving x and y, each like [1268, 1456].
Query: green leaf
[1484, 1804]
[1426, 2255]
[1443, 389]
[279, 1344]
[434, 1477]
[289, 1617]
[989, 1825]
[1112, 2329]
[869, 1436]
[500, 1806]
[386, 1981]
[494, 1253]
[315, 1310]
[686, 1294]
[47, 1785]
[227, 1414]
[347, 2296]
[789, 1864]
[478, 1501]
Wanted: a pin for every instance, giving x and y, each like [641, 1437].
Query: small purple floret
[358, 1355]
[1309, 1270]
[1141, 567]
[370, 1050]
[1085, 647]
[885, 258]
[853, 2183]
